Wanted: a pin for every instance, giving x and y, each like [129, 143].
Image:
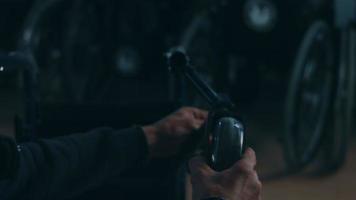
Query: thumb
[246, 164]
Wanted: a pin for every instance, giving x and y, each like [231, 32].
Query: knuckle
[184, 112]
[185, 109]
[186, 115]
[244, 168]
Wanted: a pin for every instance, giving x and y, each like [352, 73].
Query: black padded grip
[226, 140]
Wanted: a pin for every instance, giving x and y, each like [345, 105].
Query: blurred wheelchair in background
[100, 63]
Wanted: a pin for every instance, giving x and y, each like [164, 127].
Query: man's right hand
[240, 182]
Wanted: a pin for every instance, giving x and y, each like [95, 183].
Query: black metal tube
[179, 63]
[203, 88]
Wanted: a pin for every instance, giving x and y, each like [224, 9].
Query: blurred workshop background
[68, 66]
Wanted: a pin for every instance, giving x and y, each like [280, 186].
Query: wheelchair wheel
[340, 121]
[309, 96]
[67, 39]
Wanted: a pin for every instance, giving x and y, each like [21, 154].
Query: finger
[247, 164]
[200, 114]
[189, 125]
[198, 167]
[197, 123]
[250, 157]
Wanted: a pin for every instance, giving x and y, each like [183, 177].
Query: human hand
[240, 182]
[165, 138]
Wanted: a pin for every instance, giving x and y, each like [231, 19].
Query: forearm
[68, 166]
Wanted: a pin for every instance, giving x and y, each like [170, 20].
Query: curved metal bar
[179, 63]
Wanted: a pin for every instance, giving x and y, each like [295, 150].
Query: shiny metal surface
[228, 142]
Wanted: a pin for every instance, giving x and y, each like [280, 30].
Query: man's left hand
[165, 138]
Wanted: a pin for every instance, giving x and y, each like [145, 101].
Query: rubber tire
[294, 159]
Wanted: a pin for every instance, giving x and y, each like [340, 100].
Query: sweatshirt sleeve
[69, 166]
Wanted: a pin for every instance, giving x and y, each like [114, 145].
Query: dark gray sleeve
[68, 166]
